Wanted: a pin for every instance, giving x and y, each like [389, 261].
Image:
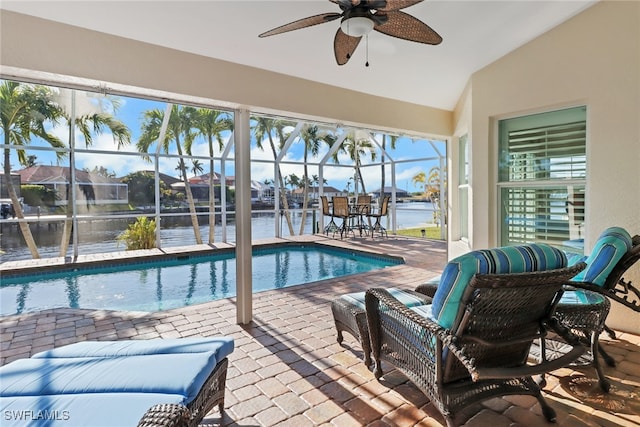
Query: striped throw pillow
[612, 244]
[508, 259]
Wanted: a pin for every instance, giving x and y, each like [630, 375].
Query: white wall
[593, 60]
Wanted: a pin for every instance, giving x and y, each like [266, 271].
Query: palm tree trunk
[17, 207]
[187, 190]
[283, 193]
[364, 190]
[305, 194]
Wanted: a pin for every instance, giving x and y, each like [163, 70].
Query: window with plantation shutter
[542, 175]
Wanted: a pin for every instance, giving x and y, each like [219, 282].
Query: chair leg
[330, 227]
[607, 358]
[547, 410]
[595, 349]
[542, 380]
[610, 332]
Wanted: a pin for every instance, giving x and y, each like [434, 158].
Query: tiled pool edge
[39, 267]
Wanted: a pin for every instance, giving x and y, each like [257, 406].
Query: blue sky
[130, 111]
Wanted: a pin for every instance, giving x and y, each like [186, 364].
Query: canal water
[100, 236]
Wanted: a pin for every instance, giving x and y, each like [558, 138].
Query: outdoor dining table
[358, 212]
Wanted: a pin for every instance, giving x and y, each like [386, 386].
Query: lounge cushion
[580, 296]
[612, 244]
[409, 300]
[508, 259]
[110, 383]
[66, 410]
[182, 374]
[221, 346]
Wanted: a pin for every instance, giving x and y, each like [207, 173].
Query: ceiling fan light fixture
[356, 26]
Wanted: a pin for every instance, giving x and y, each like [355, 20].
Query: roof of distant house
[41, 174]
[325, 189]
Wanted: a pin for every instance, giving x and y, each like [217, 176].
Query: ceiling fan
[359, 17]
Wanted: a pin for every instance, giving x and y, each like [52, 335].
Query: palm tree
[93, 121]
[24, 111]
[196, 167]
[265, 127]
[312, 139]
[431, 188]
[357, 147]
[210, 124]
[180, 131]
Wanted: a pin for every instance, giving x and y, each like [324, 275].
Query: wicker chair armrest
[616, 294]
[392, 303]
[428, 289]
[166, 415]
[481, 373]
[529, 370]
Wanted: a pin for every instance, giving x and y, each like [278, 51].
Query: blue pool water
[167, 284]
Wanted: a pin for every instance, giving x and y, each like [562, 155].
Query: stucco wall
[593, 60]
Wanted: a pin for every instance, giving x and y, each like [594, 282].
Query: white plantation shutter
[542, 173]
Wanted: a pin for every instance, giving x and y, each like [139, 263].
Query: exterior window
[542, 176]
[463, 185]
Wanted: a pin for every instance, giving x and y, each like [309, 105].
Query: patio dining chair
[362, 209]
[341, 210]
[472, 342]
[382, 212]
[326, 211]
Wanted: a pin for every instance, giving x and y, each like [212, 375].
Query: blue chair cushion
[509, 259]
[182, 374]
[221, 346]
[111, 383]
[66, 410]
[409, 300]
[612, 244]
[581, 297]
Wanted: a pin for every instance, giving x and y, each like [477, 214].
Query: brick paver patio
[288, 370]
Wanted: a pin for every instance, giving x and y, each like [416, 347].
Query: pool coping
[13, 269]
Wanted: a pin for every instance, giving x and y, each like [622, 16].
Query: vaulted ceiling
[475, 33]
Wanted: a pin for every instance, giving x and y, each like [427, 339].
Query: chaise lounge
[162, 382]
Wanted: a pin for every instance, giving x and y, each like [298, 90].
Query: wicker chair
[615, 287]
[614, 254]
[484, 353]
[584, 308]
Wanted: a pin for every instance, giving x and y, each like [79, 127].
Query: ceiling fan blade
[344, 46]
[398, 4]
[346, 4]
[405, 26]
[302, 23]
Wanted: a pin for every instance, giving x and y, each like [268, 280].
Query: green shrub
[139, 235]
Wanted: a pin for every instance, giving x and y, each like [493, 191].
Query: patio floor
[288, 370]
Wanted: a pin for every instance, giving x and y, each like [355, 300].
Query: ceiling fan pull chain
[366, 64]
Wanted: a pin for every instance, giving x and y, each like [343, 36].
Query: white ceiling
[475, 33]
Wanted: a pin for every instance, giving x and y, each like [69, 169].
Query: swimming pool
[179, 281]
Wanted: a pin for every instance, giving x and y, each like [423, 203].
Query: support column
[244, 285]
